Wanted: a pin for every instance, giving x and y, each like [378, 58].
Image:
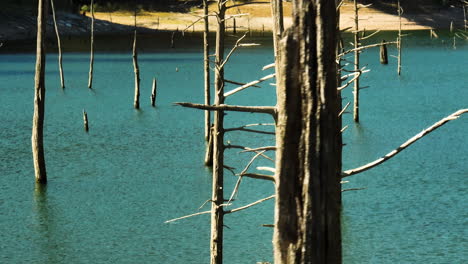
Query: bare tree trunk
[206, 68]
[356, 63]
[85, 121]
[59, 45]
[278, 28]
[153, 92]
[37, 140]
[136, 100]
[91, 60]
[399, 38]
[217, 212]
[308, 156]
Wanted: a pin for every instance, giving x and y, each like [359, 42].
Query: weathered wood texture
[308, 143]
[383, 53]
[217, 199]
[37, 141]
[206, 69]
[59, 45]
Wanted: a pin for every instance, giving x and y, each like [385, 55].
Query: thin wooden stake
[59, 45]
[153, 93]
[172, 40]
[400, 12]
[136, 100]
[383, 53]
[85, 120]
[91, 61]
[356, 63]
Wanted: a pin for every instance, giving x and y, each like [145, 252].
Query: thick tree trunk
[308, 161]
[37, 140]
[217, 212]
[206, 68]
[91, 60]
[59, 45]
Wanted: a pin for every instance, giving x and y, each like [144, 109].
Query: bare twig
[238, 83]
[249, 205]
[410, 141]
[344, 109]
[353, 189]
[238, 89]
[187, 216]
[366, 47]
[236, 108]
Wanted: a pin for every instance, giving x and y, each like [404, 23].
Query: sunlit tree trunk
[37, 140]
[308, 161]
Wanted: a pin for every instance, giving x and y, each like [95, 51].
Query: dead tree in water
[59, 45]
[206, 69]
[400, 12]
[136, 69]
[37, 137]
[356, 62]
[85, 121]
[153, 92]
[91, 60]
[308, 140]
[383, 53]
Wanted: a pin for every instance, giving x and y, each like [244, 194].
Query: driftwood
[91, 60]
[37, 139]
[403, 146]
[153, 93]
[59, 45]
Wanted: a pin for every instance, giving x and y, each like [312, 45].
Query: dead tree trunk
[85, 121]
[91, 60]
[278, 28]
[217, 199]
[37, 140]
[356, 63]
[59, 45]
[206, 68]
[153, 93]
[308, 142]
[400, 12]
[383, 53]
[136, 99]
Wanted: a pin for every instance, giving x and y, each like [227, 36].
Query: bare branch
[238, 89]
[366, 47]
[243, 4]
[250, 162]
[353, 189]
[247, 150]
[344, 109]
[232, 50]
[236, 108]
[243, 128]
[370, 36]
[267, 169]
[238, 83]
[259, 149]
[187, 216]
[249, 205]
[269, 66]
[259, 176]
[410, 141]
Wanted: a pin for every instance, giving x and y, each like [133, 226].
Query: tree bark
[91, 60]
[308, 157]
[59, 45]
[37, 141]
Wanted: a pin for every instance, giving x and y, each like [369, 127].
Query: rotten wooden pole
[153, 92]
[400, 12]
[356, 63]
[308, 142]
[206, 70]
[217, 199]
[59, 45]
[37, 137]
[91, 60]
[85, 121]
[383, 53]
[136, 69]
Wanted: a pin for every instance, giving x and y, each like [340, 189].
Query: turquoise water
[110, 190]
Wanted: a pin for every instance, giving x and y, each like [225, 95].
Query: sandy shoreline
[257, 18]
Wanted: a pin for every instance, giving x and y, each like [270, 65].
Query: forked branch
[410, 141]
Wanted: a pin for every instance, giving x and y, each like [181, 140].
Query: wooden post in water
[209, 149]
[383, 53]
[400, 12]
[91, 61]
[153, 93]
[172, 40]
[59, 45]
[217, 199]
[85, 120]
[206, 70]
[234, 26]
[136, 100]
[356, 63]
[37, 140]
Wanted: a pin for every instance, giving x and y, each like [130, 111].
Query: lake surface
[110, 190]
